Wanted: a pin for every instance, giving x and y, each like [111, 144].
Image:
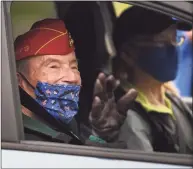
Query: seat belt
[28, 102]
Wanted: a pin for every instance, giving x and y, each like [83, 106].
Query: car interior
[88, 28]
[84, 21]
[90, 46]
[91, 30]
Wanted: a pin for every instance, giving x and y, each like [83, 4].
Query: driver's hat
[140, 21]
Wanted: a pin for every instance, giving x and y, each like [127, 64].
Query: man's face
[52, 69]
[166, 37]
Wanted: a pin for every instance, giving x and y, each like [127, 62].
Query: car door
[17, 152]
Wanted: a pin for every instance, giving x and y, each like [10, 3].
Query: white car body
[27, 159]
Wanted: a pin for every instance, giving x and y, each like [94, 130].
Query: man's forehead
[60, 58]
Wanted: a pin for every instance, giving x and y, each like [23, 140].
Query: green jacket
[36, 130]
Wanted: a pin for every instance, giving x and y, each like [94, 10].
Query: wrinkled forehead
[63, 59]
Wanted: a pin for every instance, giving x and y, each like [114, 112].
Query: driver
[148, 61]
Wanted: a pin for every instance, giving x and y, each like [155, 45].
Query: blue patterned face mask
[61, 101]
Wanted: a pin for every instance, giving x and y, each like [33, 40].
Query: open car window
[13, 139]
[23, 16]
[182, 83]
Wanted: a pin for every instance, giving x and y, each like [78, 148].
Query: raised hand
[107, 116]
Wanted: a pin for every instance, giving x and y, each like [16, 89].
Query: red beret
[46, 37]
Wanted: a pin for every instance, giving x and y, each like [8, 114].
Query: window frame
[13, 137]
[10, 92]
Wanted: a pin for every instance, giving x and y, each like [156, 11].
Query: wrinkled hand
[107, 116]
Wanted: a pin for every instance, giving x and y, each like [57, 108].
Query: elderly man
[47, 70]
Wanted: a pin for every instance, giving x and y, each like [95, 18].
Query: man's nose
[70, 77]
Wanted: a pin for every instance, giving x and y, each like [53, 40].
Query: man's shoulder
[37, 130]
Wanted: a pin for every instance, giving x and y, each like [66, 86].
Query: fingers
[126, 101]
[96, 110]
[102, 79]
[117, 84]
[111, 84]
[104, 86]
[97, 87]
[99, 91]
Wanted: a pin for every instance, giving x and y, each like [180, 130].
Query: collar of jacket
[38, 126]
[142, 99]
[41, 128]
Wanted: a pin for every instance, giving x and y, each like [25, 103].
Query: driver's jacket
[150, 128]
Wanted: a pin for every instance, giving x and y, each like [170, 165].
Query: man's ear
[20, 81]
[24, 85]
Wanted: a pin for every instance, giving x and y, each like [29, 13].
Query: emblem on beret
[26, 48]
[71, 41]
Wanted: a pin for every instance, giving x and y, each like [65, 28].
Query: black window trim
[180, 9]
[12, 119]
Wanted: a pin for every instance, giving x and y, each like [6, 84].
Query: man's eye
[75, 67]
[53, 66]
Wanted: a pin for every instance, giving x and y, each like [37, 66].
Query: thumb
[126, 101]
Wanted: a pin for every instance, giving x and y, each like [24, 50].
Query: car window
[120, 7]
[92, 56]
[182, 83]
[22, 14]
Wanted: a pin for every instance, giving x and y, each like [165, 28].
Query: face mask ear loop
[24, 78]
